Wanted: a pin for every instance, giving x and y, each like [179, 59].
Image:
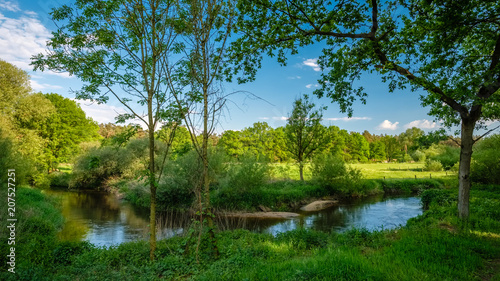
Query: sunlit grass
[400, 171]
[290, 171]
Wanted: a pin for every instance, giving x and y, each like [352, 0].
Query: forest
[165, 61]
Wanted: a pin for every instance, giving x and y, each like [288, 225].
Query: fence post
[415, 176]
[430, 176]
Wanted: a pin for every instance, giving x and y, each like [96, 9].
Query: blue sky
[25, 26]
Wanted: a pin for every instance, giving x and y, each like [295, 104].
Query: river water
[103, 220]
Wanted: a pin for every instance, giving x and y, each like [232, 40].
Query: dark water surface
[103, 220]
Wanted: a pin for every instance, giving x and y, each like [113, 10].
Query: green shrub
[59, 179]
[303, 238]
[485, 167]
[448, 157]
[247, 174]
[66, 250]
[333, 174]
[433, 166]
[418, 156]
[437, 196]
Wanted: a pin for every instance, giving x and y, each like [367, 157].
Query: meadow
[290, 171]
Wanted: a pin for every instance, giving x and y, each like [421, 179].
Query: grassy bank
[434, 246]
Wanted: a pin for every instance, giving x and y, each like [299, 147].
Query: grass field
[400, 171]
[290, 171]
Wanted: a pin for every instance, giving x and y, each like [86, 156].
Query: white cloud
[21, 38]
[294, 77]
[42, 86]
[309, 86]
[264, 118]
[9, 6]
[281, 118]
[347, 119]
[101, 113]
[422, 124]
[312, 63]
[388, 125]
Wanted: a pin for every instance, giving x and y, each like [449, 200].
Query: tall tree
[449, 49]
[119, 48]
[206, 26]
[66, 129]
[304, 133]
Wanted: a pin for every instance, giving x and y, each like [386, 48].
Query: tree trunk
[152, 186]
[301, 170]
[464, 168]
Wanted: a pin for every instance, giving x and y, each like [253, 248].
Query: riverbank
[276, 195]
[434, 246]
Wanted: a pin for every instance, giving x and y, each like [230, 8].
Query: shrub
[59, 179]
[247, 174]
[332, 173]
[303, 238]
[437, 196]
[485, 166]
[433, 166]
[418, 156]
[448, 156]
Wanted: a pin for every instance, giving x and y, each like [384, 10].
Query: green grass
[290, 171]
[65, 168]
[434, 246]
[400, 171]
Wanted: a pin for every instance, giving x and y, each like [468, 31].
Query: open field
[290, 171]
[400, 171]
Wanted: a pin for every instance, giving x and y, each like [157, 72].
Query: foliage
[448, 156]
[418, 156]
[65, 129]
[333, 174]
[304, 133]
[440, 197]
[448, 49]
[486, 161]
[246, 175]
[433, 166]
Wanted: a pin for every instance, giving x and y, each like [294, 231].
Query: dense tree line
[38, 131]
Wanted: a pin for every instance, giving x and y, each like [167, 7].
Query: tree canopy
[448, 49]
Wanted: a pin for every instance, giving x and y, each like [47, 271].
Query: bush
[418, 156]
[246, 175]
[437, 196]
[448, 156]
[433, 166]
[485, 167]
[59, 179]
[332, 173]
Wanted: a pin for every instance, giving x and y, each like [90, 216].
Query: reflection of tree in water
[102, 219]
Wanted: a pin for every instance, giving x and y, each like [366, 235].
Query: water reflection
[102, 219]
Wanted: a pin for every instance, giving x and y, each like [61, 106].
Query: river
[104, 220]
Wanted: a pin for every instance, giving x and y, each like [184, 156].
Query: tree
[377, 150]
[337, 146]
[119, 48]
[205, 28]
[231, 142]
[408, 137]
[65, 129]
[449, 49]
[359, 148]
[14, 85]
[304, 133]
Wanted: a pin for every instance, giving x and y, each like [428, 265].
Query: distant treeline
[269, 144]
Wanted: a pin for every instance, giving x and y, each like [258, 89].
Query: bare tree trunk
[464, 183]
